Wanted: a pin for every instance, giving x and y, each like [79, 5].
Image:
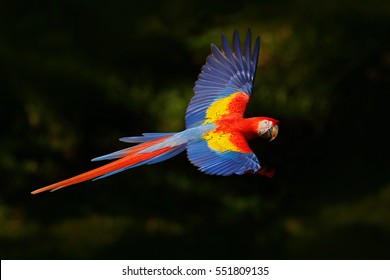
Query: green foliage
[77, 75]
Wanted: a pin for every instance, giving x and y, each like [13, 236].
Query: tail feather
[146, 143]
[145, 137]
[156, 159]
[130, 157]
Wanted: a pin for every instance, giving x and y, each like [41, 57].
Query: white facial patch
[264, 125]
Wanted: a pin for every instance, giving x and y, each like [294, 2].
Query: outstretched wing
[222, 153]
[226, 79]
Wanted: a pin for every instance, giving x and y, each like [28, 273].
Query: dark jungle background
[77, 75]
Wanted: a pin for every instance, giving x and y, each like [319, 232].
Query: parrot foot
[266, 171]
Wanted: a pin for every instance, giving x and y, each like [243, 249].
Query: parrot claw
[268, 172]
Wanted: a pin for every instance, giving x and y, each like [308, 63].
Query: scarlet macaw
[216, 131]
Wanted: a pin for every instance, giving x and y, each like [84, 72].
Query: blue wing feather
[227, 70]
[220, 163]
[227, 59]
[237, 49]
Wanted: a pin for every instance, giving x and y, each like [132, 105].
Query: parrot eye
[268, 130]
[264, 125]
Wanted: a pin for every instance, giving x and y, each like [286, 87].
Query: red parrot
[216, 135]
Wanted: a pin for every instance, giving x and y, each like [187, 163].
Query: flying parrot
[216, 135]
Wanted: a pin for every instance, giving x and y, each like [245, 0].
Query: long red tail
[132, 158]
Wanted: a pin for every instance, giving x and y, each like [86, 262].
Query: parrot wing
[228, 74]
[222, 153]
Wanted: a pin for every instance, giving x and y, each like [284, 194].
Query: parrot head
[268, 128]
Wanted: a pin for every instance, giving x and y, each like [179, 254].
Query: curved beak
[274, 132]
[271, 133]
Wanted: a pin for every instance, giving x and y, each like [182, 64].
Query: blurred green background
[77, 75]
